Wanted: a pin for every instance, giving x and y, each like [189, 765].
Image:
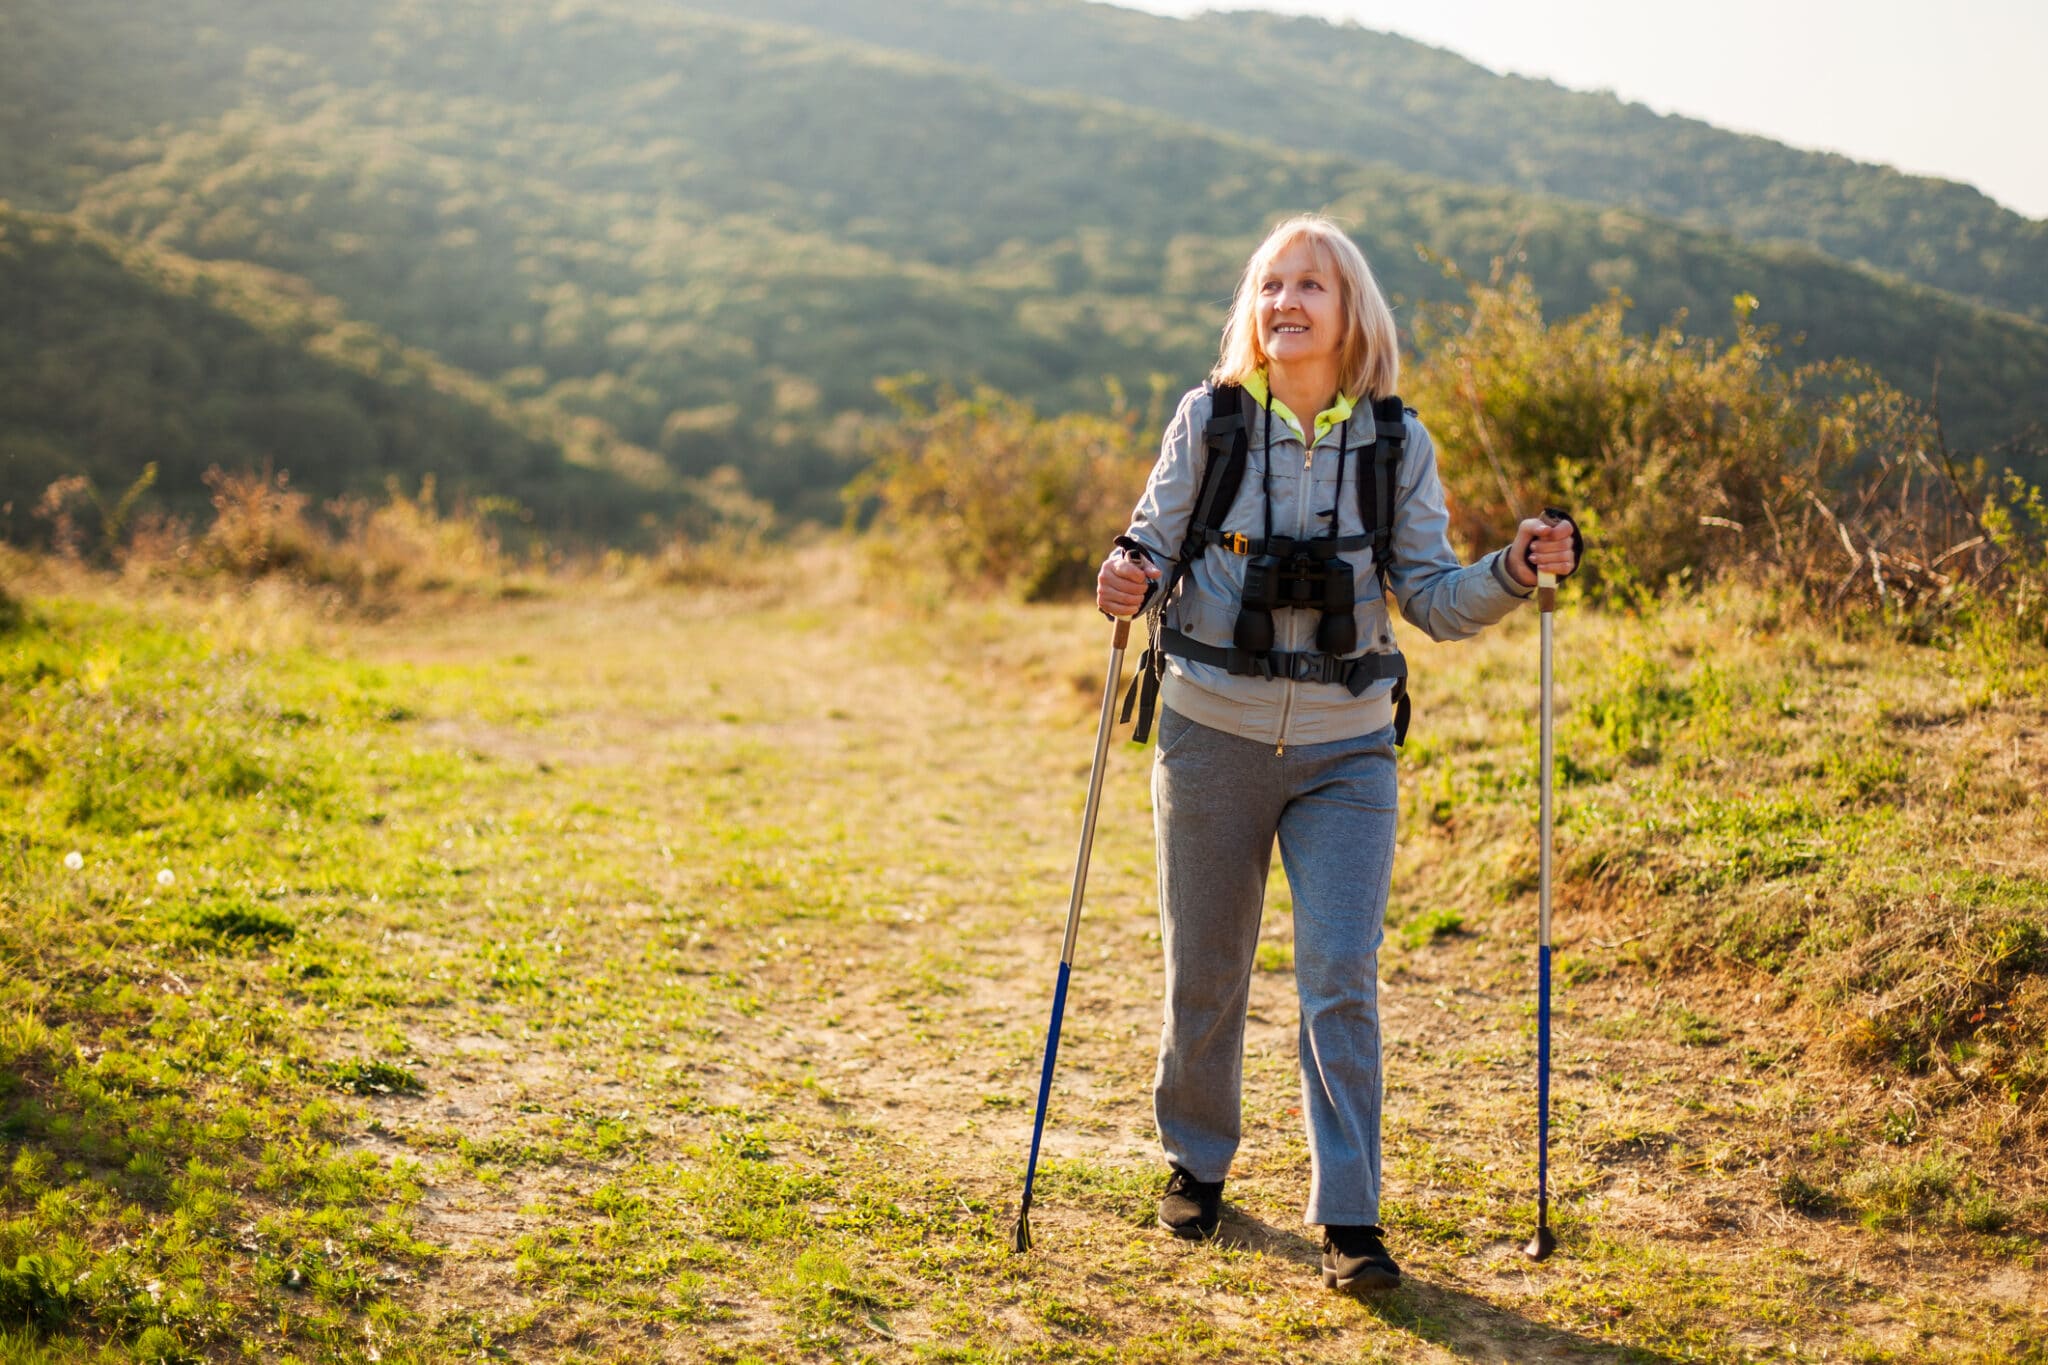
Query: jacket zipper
[1301, 502]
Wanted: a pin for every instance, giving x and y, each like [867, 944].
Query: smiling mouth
[1290, 328]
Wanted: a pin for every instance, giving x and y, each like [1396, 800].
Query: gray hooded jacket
[1439, 595]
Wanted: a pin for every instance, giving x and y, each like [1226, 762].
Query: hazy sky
[1959, 91]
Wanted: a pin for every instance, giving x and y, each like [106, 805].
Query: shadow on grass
[1466, 1325]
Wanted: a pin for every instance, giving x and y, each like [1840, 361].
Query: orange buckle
[1237, 543]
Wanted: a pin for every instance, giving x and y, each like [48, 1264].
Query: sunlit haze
[1956, 91]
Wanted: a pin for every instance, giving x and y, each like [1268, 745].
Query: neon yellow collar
[1255, 385]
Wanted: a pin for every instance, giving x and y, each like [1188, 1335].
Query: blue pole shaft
[1052, 1049]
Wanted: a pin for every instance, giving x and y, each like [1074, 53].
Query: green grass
[176, 1168]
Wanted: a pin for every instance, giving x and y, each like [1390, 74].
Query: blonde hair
[1369, 361]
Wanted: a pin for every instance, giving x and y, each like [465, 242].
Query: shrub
[1001, 497]
[366, 548]
[259, 525]
[406, 542]
[1687, 458]
[64, 501]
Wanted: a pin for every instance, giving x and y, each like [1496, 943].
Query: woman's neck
[1305, 391]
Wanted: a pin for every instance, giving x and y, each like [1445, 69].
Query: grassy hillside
[483, 984]
[1385, 99]
[715, 236]
[115, 355]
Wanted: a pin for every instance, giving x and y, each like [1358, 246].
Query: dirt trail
[847, 865]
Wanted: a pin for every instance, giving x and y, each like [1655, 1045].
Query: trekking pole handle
[1546, 583]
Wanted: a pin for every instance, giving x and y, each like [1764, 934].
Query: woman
[1280, 708]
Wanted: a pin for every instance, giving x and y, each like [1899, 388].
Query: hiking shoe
[1191, 1207]
[1356, 1258]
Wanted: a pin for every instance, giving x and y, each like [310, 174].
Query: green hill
[1384, 98]
[114, 356]
[714, 236]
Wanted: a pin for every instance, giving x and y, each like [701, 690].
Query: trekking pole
[1543, 1243]
[1020, 1239]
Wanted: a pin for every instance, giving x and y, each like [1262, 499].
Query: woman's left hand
[1549, 544]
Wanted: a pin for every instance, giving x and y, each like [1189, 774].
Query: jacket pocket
[1206, 619]
[1375, 627]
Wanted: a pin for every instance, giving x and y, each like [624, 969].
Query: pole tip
[1020, 1236]
[1541, 1245]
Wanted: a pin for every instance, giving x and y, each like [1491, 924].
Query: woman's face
[1300, 316]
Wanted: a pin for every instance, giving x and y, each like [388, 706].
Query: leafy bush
[1687, 458]
[999, 496]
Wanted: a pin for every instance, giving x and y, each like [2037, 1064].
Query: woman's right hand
[1121, 584]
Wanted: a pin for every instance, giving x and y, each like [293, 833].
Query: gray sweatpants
[1219, 800]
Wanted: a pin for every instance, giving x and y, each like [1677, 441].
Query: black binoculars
[1300, 582]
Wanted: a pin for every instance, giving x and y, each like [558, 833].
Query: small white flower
[74, 860]
[164, 877]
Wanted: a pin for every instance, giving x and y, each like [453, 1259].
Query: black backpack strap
[1376, 495]
[1226, 447]
[1355, 673]
[1377, 490]
[1143, 693]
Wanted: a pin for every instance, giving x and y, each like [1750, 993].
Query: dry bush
[158, 544]
[64, 502]
[260, 526]
[60, 507]
[368, 550]
[1001, 498]
[406, 544]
